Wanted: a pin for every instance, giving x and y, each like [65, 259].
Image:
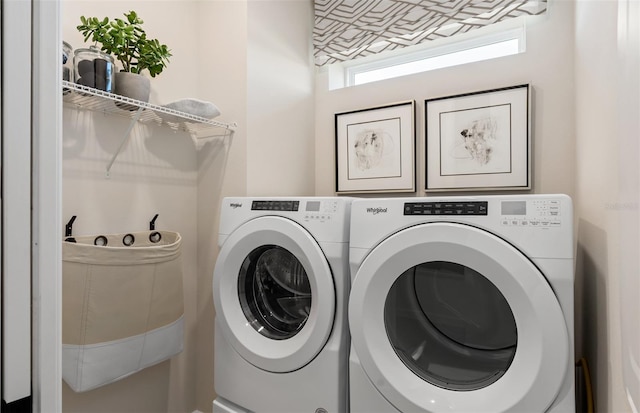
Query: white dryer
[462, 304]
[280, 290]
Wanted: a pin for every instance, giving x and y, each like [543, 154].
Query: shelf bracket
[125, 139]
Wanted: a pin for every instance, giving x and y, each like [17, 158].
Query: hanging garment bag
[122, 305]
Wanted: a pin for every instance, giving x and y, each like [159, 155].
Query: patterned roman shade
[347, 29]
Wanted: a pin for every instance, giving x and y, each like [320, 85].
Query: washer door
[273, 293]
[450, 318]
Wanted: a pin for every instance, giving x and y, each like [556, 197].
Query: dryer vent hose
[582, 364]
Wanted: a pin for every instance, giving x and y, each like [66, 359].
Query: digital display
[275, 205]
[313, 206]
[514, 208]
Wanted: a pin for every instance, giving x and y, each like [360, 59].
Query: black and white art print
[478, 141]
[375, 149]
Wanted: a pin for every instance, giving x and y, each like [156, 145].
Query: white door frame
[47, 206]
[16, 200]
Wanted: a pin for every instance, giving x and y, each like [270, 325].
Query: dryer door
[450, 318]
[274, 294]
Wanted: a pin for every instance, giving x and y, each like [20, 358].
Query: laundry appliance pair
[458, 304]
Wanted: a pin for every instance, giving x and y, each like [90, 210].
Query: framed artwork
[479, 141]
[375, 149]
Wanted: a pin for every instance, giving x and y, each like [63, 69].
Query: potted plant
[127, 41]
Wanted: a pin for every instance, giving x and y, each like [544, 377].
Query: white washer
[280, 290]
[462, 304]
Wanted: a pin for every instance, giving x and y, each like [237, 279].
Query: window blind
[347, 29]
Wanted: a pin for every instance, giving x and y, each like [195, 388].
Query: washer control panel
[446, 208]
[320, 210]
[538, 213]
[311, 210]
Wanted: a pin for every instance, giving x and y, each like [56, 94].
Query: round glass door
[450, 325]
[447, 316]
[274, 292]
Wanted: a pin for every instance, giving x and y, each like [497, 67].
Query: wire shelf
[83, 97]
[87, 98]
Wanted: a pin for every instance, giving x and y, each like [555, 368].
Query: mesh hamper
[122, 305]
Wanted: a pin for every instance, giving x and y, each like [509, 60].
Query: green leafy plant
[127, 41]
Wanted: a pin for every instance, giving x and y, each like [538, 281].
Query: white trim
[16, 198]
[47, 206]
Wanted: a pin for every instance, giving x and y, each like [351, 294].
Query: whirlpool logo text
[235, 205]
[376, 211]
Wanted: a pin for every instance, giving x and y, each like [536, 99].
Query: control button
[505, 222]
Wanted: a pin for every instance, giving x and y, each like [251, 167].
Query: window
[428, 56]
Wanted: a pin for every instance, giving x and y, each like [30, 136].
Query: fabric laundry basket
[122, 305]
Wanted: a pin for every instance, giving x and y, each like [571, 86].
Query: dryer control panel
[446, 208]
[533, 213]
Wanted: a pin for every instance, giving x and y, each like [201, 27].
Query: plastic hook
[152, 223]
[68, 230]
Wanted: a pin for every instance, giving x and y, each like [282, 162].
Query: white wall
[629, 192]
[258, 79]
[280, 157]
[157, 172]
[585, 137]
[224, 64]
[265, 73]
[547, 65]
[607, 185]
[240, 56]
